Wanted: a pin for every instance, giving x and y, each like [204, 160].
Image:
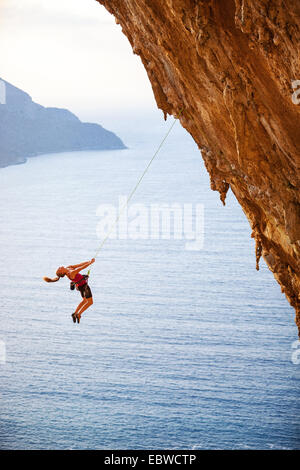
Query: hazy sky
[71, 53]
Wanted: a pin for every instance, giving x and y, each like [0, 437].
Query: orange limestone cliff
[233, 69]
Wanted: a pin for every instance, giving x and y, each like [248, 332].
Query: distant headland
[28, 129]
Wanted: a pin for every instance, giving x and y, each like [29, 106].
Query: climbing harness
[84, 277]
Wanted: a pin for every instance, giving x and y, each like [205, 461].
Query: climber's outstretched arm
[74, 266]
[81, 266]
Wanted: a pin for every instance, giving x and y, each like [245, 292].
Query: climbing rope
[137, 185]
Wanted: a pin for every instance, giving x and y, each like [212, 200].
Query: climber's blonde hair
[55, 279]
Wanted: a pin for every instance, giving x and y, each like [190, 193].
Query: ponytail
[48, 279]
[58, 273]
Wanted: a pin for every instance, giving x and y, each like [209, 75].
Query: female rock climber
[80, 281]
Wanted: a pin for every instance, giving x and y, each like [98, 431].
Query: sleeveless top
[79, 280]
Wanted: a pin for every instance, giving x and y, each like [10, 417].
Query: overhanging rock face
[232, 69]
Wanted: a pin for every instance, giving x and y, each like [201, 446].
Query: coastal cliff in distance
[231, 70]
[28, 129]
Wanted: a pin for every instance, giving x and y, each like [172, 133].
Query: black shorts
[85, 291]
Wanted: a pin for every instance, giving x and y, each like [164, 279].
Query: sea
[182, 348]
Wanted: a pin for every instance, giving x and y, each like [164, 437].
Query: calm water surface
[181, 349]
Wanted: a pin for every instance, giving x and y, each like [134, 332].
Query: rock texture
[28, 129]
[230, 67]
